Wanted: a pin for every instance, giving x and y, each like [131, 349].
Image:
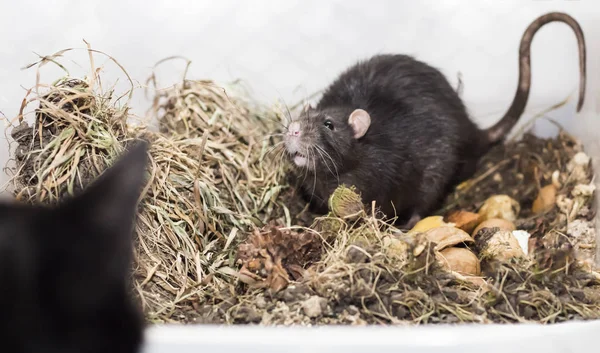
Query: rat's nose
[294, 129]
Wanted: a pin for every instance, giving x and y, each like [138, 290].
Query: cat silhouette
[65, 269]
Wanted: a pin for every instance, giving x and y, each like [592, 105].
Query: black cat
[64, 270]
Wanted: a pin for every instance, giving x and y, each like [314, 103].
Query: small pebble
[578, 165]
[581, 159]
[584, 211]
[314, 306]
[581, 229]
[260, 302]
[564, 204]
[584, 190]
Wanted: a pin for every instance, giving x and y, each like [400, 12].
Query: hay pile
[215, 241]
[76, 135]
[211, 178]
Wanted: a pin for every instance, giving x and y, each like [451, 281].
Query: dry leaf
[272, 258]
[554, 251]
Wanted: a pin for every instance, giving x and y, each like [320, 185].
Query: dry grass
[77, 133]
[212, 181]
[211, 176]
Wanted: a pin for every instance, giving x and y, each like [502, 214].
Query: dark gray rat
[396, 129]
[65, 269]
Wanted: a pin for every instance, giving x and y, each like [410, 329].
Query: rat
[395, 129]
[65, 268]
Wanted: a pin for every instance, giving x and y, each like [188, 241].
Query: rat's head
[325, 137]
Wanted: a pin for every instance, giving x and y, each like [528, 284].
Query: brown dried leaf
[274, 257]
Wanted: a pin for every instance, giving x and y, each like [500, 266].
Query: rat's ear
[360, 121]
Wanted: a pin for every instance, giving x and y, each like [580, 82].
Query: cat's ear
[108, 206]
[114, 194]
[89, 257]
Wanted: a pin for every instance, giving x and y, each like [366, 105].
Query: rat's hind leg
[316, 204]
[416, 217]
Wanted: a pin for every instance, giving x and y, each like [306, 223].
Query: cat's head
[65, 270]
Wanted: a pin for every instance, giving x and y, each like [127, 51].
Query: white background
[288, 49]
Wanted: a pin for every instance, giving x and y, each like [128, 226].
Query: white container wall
[289, 49]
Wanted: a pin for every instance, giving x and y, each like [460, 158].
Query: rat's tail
[499, 131]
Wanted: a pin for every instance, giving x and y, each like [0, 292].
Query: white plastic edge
[575, 336]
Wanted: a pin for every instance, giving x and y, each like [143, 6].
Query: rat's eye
[328, 124]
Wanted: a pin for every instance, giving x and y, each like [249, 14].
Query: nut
[464, 220]
[502, 246]
[500, 206]
[493, 223]
[428, 223]
[446, 236]
[460, 260]
[545, 200]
